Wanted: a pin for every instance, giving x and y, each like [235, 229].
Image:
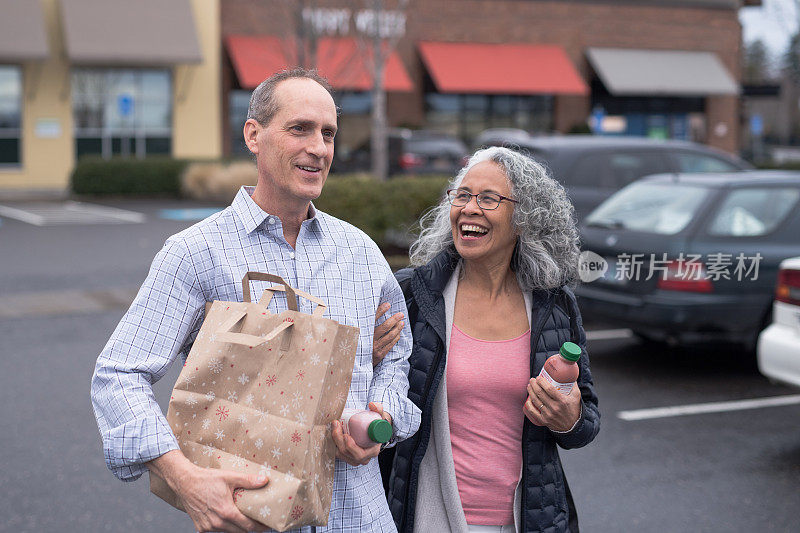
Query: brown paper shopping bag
[257, 394]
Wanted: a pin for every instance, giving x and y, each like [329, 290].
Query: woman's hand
[546, 406]
[386, 334]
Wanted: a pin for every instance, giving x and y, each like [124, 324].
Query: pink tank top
[486, 389]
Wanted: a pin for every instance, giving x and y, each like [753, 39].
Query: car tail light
[409, 161]
[686, 277]
[788, 289]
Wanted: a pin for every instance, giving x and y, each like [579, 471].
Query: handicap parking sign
[125, 104]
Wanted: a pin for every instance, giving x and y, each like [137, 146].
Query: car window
[753, 211]
[616, 169]
[662, 208]
[691, 162]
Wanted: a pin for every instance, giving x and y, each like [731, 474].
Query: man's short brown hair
[264, 104]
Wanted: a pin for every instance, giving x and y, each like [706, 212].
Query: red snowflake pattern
[297, 512]
[301, 374]
[237, 494]
[222, 413]
[271, 380]
[296, 438]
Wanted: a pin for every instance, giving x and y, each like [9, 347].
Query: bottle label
[563, 388]
[345, 418]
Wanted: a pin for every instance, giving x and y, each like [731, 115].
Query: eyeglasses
[486, 200]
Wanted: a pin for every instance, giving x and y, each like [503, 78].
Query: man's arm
[389, 385]
[162, 320]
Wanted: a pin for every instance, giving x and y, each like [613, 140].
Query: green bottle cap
[570, 351]
[379, 431]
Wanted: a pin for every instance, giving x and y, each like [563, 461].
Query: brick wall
[574, 25]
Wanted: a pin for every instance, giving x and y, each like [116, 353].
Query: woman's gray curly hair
[546, 254]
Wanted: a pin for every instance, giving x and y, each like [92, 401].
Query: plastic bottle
[562, 369]
[366, 427]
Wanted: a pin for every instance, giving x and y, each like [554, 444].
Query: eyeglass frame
[477, 200]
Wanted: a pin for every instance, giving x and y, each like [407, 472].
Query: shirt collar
[252, 216]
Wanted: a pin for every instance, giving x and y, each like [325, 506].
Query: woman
[488, 302]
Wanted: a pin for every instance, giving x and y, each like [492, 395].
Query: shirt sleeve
[161, 323]
[390, 378]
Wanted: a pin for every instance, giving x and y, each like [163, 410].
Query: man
[291, 125]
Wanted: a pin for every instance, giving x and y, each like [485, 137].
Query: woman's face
[481, 234]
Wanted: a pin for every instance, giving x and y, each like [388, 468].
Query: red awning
[501, 68]
[341, 60]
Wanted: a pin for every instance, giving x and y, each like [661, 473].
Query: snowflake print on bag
[345, 345]
[242, 418]
[206, 423]
[301, 418]
[297, 512]
[210, 396]
[219, 434]
[249, 399]
[271, 380]
[279, 430]
[208, 450]
[296, 438]
[264, 512]
[284, 410]
[309, 336]
[232, 396]
[276, 453]
[244, 378]
[191, 401]
[215, 365]
[300, 374]
[297, 398]
[222, 412]
[258, 443]
[238, 462]
[314, 359]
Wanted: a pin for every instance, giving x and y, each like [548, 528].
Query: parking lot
[690, 439]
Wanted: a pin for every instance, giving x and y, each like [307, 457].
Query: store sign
[331, 22]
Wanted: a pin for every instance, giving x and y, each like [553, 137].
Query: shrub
[118, 176]
[213, 181]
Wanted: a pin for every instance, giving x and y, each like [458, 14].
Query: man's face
[295, 150]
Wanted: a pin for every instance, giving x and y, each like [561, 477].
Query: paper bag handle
[319, 310]
[225, 334]
[291, 298]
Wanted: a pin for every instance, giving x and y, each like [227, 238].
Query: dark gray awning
[130, 33]
[22, 35]
[661, 72]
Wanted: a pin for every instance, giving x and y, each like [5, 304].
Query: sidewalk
[65, 302]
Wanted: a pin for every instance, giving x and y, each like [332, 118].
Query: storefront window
[466, 115]
[122, 112]
[10, 114]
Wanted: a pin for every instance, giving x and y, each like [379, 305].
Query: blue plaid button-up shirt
[332, 260]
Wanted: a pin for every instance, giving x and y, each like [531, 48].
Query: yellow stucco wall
[46, 162]
[197, 105]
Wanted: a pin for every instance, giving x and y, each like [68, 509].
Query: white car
[779, 344]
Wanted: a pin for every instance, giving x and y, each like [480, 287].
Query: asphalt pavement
[64, 287]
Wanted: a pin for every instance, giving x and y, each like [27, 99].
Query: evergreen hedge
[153, 176]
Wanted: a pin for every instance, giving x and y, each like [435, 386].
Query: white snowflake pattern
[242, 418]
[346, 345]
[263, 416]
[219, 434]
[279, 430]
[210, 396]
[244, 378]
[276, 453]
[320, 327]
[297, 398]
[317, 447]
[264, 470]
[237, 461]
[232, 396]
[301, 418]
[309, 336]
[191, 401]
[258, 443]
[314, 359]
[189, 379]
[264, 512]
[284, 410]
[208, 450]
[249, 399]
[206, 423]
[215, 365]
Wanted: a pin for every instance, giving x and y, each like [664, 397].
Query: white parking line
[606, 334]
[713, 407]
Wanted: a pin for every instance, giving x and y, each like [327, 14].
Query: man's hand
[386, 334]
[207, 493]
[346, 448]
[546, 406]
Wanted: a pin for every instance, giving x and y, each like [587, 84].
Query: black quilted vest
[547, 504]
